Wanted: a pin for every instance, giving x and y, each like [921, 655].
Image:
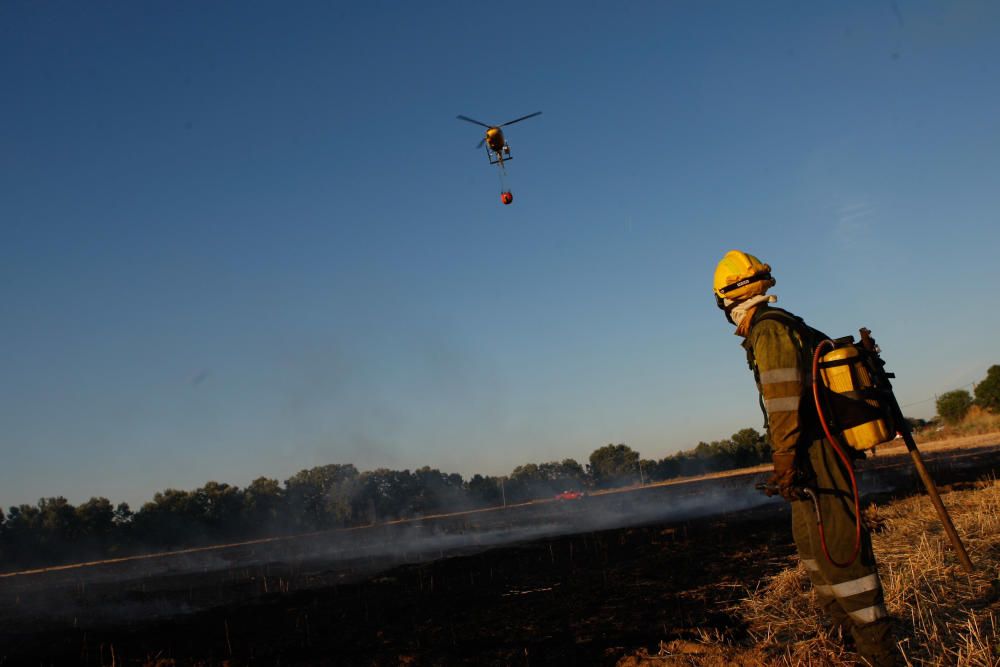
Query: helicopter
[497, 148]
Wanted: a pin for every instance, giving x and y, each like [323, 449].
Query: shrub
[952, 406]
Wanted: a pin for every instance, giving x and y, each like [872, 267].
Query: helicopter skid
[498, 157]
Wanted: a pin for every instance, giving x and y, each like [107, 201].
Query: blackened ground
[579, 599]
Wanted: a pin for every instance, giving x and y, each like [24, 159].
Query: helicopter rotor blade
[481, 142]
[518, 120]
[472, 120]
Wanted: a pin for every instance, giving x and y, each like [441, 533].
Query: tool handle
[918, 461]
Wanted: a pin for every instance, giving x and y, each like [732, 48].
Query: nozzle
[802, 492]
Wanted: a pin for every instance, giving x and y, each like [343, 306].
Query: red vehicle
[569, 495]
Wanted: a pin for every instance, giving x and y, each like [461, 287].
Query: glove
[783, 477]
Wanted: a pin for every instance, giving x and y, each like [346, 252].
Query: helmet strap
[757, 277]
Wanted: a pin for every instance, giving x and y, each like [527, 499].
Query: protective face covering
[740, 310]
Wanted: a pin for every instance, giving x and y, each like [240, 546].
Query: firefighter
[779, 351]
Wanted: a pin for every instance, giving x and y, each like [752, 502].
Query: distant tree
[122, 534]
[690, 464]
[533, 480]
[436, 491]
[171, 519]
[221, 507]
[22, 518]
[484, 491]
[667, 468]
[263, 505]
[96, 519]
[952, 406]
[567, 471]
[320, 497]
[529, 472]
[22, 532]
[647, 471]
[41, 533]
[59, 520]
[384, 494]
[123, 514]
[95, 528]
[614, 464]
[746, 447]
[988, 391]
[750, 447]
[717, 455]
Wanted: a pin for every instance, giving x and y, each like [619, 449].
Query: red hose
[847, 463]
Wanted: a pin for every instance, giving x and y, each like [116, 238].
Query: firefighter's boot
[839, 620]
[876, 645]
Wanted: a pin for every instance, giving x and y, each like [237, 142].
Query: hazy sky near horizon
[244, 239]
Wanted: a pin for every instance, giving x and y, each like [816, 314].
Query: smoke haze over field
[186, 582]
[335, 556]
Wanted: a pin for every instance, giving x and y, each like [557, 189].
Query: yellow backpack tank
[844, 372]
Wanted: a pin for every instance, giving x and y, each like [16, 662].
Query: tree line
[53, 531]
[953, 406]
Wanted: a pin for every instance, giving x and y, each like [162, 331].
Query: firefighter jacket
[779, 349]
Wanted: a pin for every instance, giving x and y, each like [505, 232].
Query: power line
[935, 396]
[917, 402]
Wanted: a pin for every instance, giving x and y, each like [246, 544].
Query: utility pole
[503, 494]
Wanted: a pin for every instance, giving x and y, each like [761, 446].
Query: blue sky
[243, 239]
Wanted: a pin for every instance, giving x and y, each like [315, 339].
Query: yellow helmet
[740, 276]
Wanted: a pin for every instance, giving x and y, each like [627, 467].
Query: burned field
[567, 582]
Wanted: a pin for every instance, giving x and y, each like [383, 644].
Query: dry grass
[976, 422]
[944, 615]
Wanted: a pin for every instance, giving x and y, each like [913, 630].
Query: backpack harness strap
[806, 342]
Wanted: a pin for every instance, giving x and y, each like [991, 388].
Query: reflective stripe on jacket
[782, 370]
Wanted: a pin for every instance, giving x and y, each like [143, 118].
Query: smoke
[185, 582]
[376, 403]
[200, 377]
[171, 584]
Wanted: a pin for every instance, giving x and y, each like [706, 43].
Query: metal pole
[878, 368]
[925, 477]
